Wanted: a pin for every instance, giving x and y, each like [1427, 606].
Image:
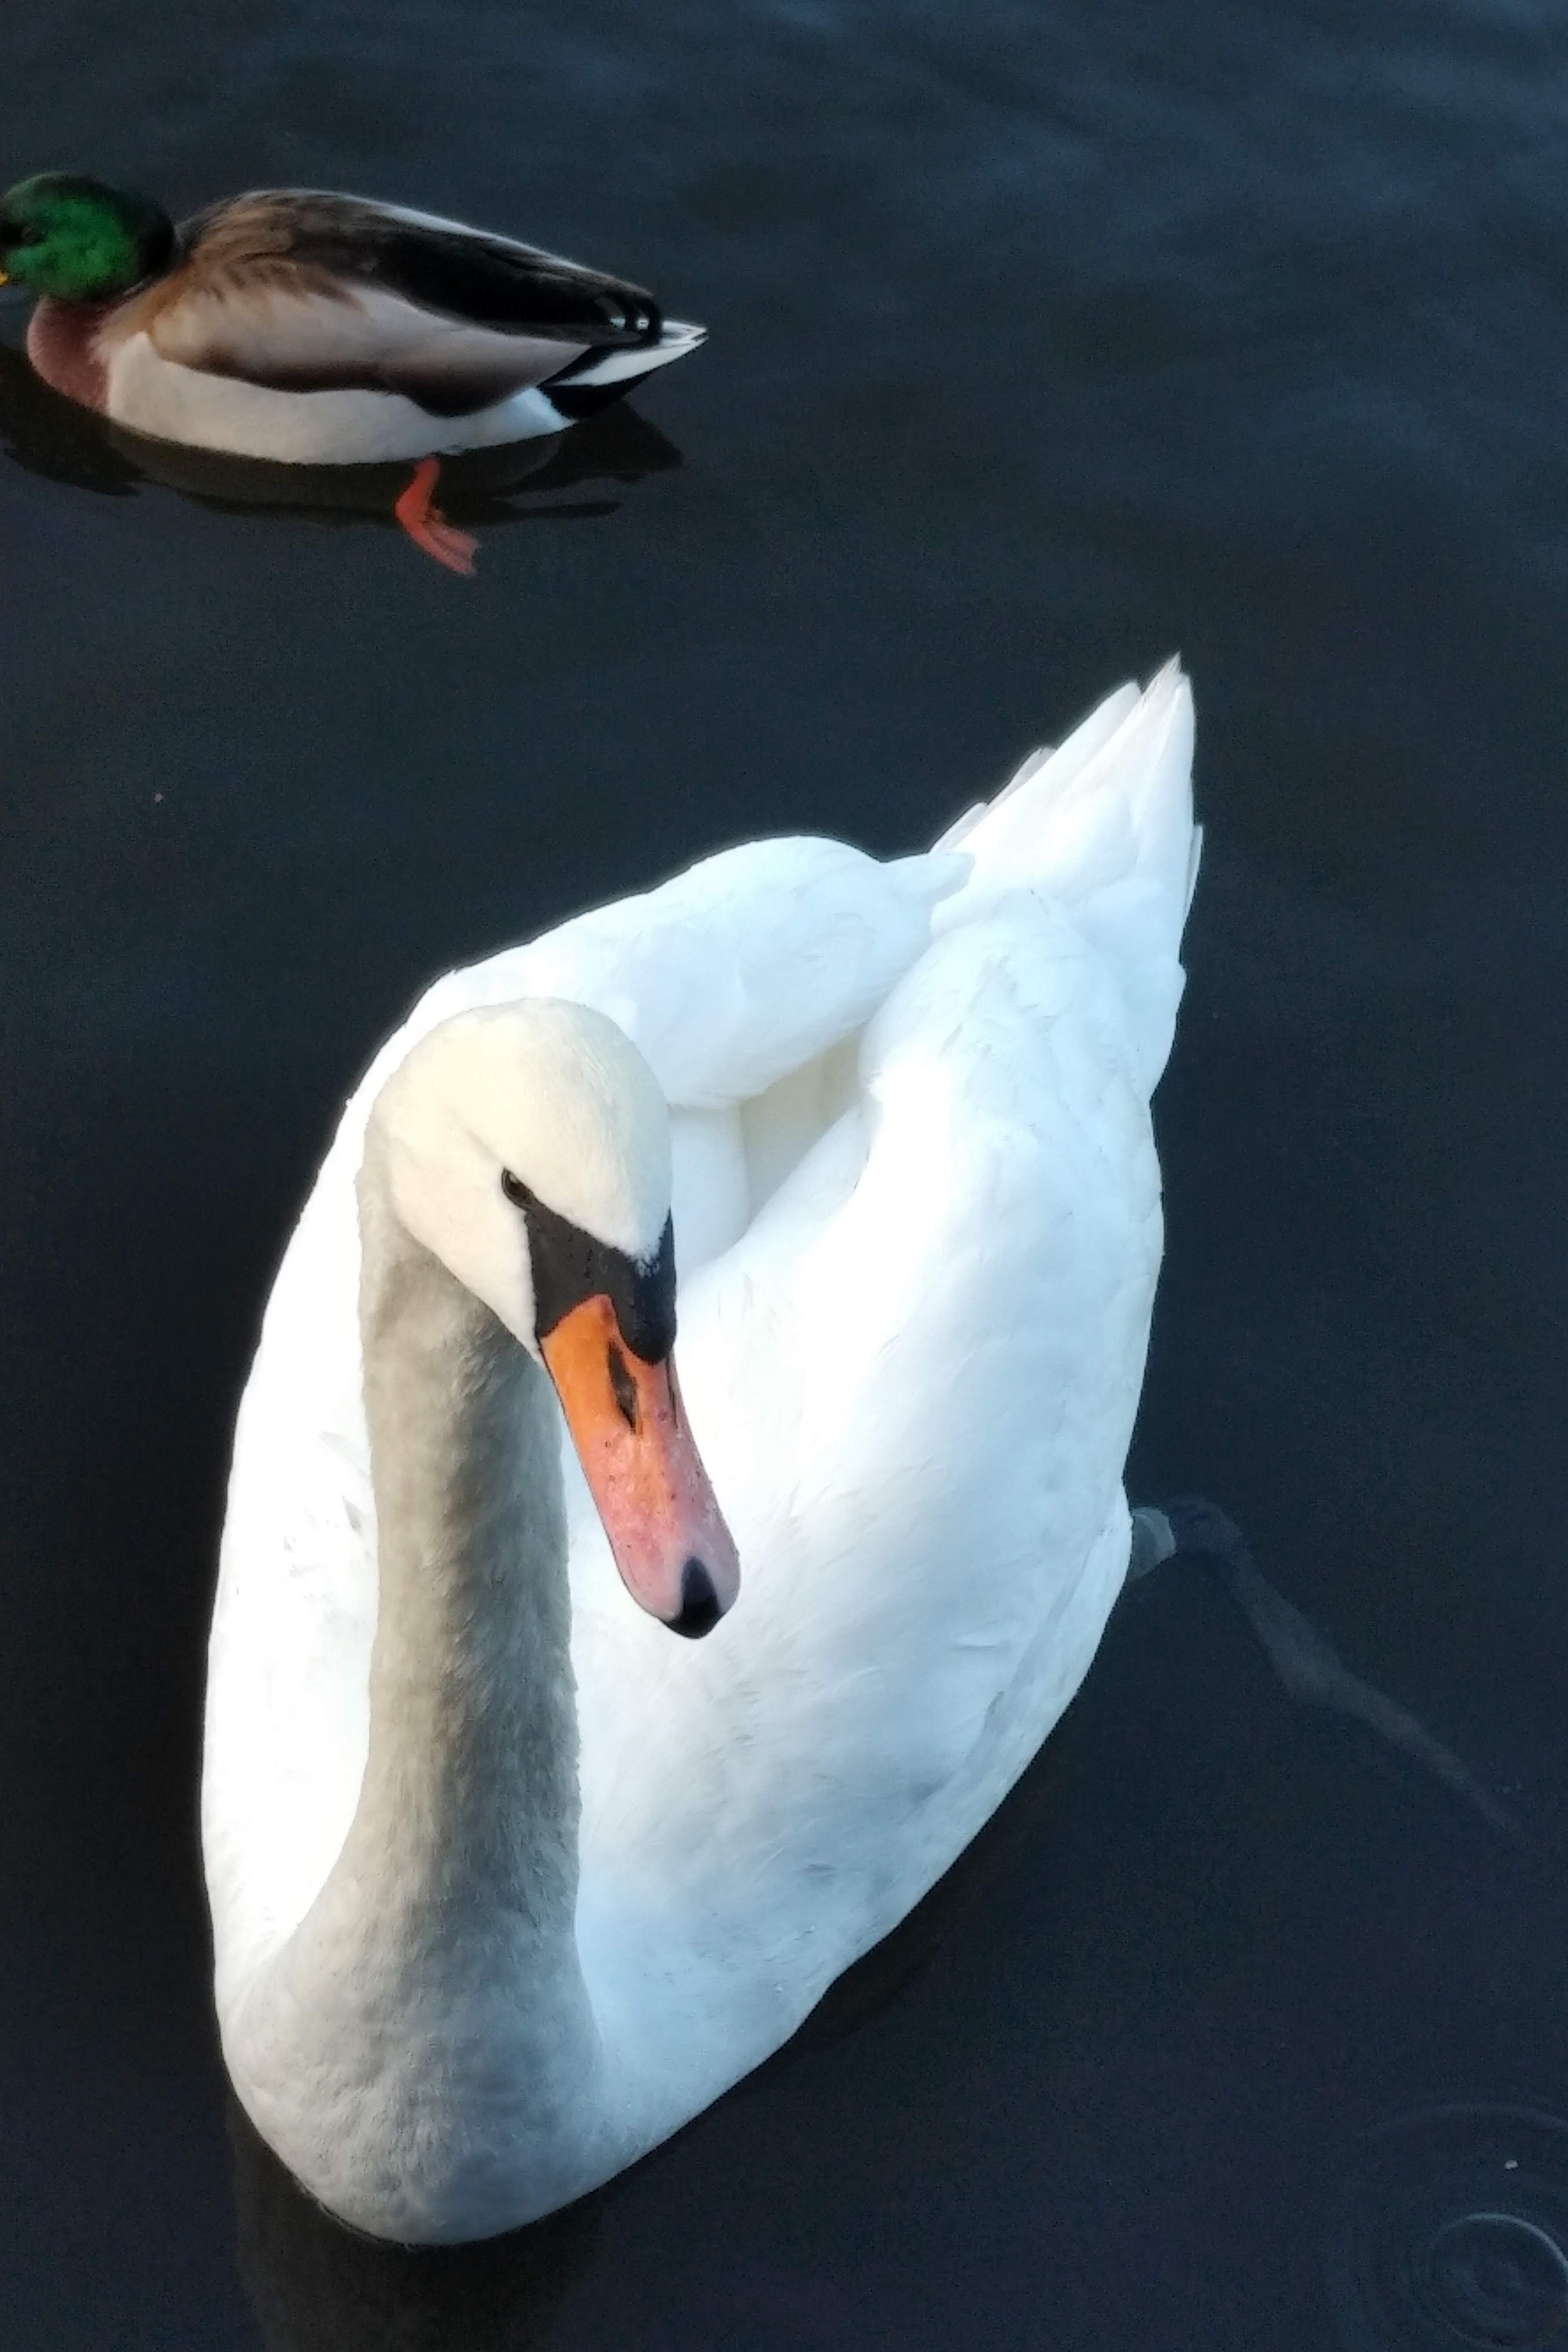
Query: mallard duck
[320, 330]
[506, 1884]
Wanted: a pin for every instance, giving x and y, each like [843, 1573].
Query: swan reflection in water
[574, 475]
[317, 2287]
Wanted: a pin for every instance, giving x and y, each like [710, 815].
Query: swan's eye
[514, 1188]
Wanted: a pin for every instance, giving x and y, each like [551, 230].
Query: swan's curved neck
[438, 1966]
[470, 1790]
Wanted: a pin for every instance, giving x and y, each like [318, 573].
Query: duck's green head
[78, 240]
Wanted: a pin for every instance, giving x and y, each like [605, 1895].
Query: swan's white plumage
[917, 1218]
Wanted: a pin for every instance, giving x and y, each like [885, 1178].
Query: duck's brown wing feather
[464, 273]
[306, 292]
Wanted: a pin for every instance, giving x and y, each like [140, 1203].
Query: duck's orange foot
[427, 526]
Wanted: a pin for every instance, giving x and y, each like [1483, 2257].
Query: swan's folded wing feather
[739, 970]
[913, 1380]
[288, 1700]
[1103, 825]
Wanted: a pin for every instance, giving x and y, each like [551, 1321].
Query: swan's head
[527, 1147]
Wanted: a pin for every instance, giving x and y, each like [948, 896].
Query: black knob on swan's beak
[698, 1602]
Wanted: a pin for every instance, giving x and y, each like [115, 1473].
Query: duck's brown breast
[62, 344]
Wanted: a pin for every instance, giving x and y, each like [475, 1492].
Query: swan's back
[913, 1375]
[917, 1210]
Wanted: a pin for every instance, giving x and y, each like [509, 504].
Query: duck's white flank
[504, 1892]
[168, 402]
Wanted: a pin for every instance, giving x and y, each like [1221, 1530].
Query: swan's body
[917, 1209]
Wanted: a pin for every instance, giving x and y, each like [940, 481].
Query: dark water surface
[1044, 341]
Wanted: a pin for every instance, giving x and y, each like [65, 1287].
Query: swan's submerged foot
[1311, 1669]
[1153, 1542]
[427, 526]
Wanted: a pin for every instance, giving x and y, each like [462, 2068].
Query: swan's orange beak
[675, 1556]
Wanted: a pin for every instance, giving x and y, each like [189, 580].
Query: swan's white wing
[739, 970]
[1104, 827]
[914, 1381]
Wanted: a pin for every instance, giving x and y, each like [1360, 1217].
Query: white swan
[479, 1946]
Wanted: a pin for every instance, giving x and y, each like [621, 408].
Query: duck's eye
[514, 1188]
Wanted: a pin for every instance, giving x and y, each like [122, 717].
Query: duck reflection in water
[527, 481]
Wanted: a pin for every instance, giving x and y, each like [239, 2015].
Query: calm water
[1044, 341]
